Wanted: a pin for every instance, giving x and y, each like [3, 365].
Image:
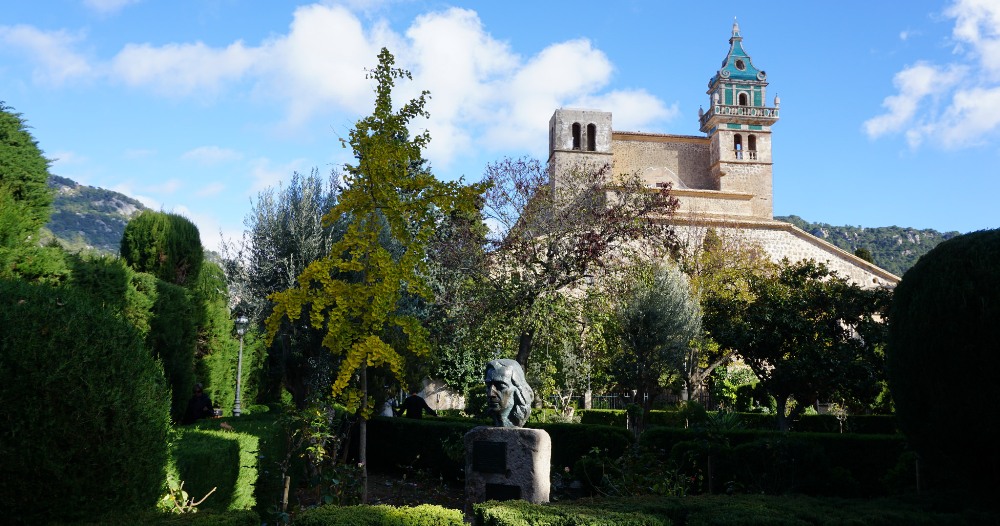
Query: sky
[889, 110]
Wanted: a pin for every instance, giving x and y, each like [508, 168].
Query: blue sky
[890, 111]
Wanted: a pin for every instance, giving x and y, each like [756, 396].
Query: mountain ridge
[91, 218]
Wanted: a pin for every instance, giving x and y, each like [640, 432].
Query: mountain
[85, 217]
[89, 218]
[893, 248]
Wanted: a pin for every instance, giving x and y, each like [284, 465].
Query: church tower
[578, 139]
[738, 123]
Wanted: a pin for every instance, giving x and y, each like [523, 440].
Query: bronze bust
[508, 393]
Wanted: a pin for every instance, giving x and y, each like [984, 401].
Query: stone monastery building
[722, 179]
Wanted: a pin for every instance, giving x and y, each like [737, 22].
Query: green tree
[549, 238]
[657, 324]
[942, 328]
[720, 268]
[165, 245]
[806, 333]
[354, 292]
[284, 234]
[25, 198]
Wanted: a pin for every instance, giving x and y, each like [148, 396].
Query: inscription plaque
[502, 492]
[489, 457]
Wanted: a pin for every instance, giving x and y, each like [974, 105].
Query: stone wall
[783, 240]
[680, 160]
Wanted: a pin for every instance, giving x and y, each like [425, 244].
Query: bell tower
[738, 123]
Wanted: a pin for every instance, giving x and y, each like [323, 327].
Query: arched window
[738, 146]
[744, 100]
[576, 135]
[591, 137]
[752, 146]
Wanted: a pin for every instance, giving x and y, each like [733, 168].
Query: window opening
[752, 146]
[738, 146]
[591, 137]
[744, 100]
[576, 135]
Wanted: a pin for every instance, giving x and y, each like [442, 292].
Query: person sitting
[414, 406]
[200, 406]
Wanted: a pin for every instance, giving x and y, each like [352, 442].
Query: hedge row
[380, 515]
[869, 424]
[848, 465]
[438, 445]
[86, 408]
[518, 513]
[743, 510]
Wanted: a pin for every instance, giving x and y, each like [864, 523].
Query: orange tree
[353, 294]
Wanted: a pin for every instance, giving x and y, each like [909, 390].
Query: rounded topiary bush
[85, 408]
[944, 338]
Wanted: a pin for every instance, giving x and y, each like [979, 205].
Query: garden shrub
[172, 339]
[604, 417]
[943, 329]
[380, 515]
[571, 442]
[210, 459]
[43, 265]
[165, 245]
[770, 461]
[521, 513]
[87, 408]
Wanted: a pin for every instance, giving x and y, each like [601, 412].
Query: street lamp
[241, 329]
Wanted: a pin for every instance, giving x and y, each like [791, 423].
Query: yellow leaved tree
[353, 294]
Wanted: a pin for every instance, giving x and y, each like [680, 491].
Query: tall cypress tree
[25, 198]
[167, 246]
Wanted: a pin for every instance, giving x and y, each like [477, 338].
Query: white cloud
[209, 155]
[139, 153]
[914, 83]
[51, 51]
[61, 160]
[484, 96]
[182, 69]
[211, 189]
[169, 186]
[957, 103]
[263, 175]
[108, 6]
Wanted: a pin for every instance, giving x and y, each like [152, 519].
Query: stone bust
[508, 394]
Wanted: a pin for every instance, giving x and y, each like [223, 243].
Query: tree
[548, 238]
[352, 294]
[165, 245]
[720, 267]
[285, 233]
[806, 333]
[25, 198]
[657, 323]
[943, 333]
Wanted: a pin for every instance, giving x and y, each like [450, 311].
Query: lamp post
[241, 329]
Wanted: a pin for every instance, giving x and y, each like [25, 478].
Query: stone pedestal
[507, 463]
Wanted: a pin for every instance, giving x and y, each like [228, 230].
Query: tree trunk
[363, 434]
[780, 403]
[524, 348]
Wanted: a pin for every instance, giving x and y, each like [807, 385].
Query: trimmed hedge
[869, 424]
[752, 510]
[943, 331]
[380, 515]
[438, 446]
[242, 464]
[152, 518]
[773, 462]
[521, 513]
[86, 408]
